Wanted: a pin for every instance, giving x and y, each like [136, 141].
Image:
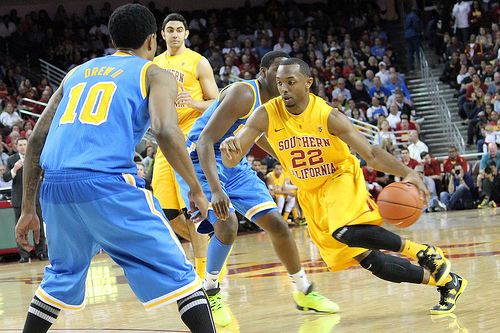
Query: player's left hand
[184, 98]
[230, 146]
[220, 205]
[198, 206]
[415, 179]
[27, 222]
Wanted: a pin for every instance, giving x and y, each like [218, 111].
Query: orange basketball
[400, 204]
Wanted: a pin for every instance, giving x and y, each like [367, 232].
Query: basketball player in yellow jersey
[284, 198]
[198, 90]
[310, 139]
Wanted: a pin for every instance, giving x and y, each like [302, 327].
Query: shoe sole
[460, 291]
[301, 308]
[448, 266]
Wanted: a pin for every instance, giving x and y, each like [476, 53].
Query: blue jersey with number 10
[201, 122]
[102, 116]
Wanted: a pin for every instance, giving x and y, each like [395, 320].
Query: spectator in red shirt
[411, 125]
[452, 159]
[407, 160]
[432, 169]
[372, 186]
[45, 99]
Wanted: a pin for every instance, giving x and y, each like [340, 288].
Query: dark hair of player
[304, 67]
[174, 17]
[269, 58]
[130, 25]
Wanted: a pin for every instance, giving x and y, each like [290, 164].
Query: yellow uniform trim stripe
[263, 206]
[129, 179]
[68, 75]
[143, 79]
[57, 303]
[184, 291]
[192, 287]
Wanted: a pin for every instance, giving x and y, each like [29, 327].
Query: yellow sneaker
[314, 301]
[433, 260]
[219, 312]
[449, 295]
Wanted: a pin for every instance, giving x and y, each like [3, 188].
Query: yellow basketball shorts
[165, 187]
[341, 201]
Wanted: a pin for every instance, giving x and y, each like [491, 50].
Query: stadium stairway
[431, 129]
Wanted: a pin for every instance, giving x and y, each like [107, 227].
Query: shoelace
[216, 301]
[444, 294]
[317, 296]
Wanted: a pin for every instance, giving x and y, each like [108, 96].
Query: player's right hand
[27, 221]
[220, 205]
[415, 179]
[198, 206]
[230, 146]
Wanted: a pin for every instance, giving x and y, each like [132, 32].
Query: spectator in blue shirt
[413, 35]
[394, 83]
[263, 48]
[460, 187]
[378, 49]
[379, 91]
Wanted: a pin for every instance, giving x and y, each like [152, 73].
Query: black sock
[40, 316]
[195, 312]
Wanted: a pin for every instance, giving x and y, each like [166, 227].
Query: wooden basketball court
[259, 291]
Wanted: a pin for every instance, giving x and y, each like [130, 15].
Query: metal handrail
[370, 131]
[28, 112]
[451, 131]
[54, 74]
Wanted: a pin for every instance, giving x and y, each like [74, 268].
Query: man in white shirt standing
[416, 147]
[461, 15]
[282, 46]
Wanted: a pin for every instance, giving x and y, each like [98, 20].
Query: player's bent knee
[367, 236]
[171, 213]
[274, 224]
[393, 269]
[226, 230]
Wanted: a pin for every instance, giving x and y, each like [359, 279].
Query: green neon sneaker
[219, 312]
[314, 301]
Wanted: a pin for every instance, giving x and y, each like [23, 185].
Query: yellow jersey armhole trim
[143, 78]
[68, 75]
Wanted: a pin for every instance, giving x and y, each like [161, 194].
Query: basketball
[400, 204]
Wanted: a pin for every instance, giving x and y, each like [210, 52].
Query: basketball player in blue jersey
[91, 196]
[242, 189]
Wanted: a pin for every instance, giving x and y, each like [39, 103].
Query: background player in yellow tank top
[310, 139]
[197, 90]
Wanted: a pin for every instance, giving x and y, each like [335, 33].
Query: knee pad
[393, 269]
[186, 214]
[171, 213]
[366, 236]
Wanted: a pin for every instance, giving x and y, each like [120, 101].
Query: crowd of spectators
[354, 66]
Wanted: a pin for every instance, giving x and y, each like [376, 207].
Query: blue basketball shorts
[87, 211]
[247, 193]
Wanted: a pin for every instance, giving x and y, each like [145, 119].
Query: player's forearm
[206, 155]
[201, 106]
[31, 165]
[382, 161]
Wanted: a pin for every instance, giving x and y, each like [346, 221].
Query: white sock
[299, 281]
[210, 281]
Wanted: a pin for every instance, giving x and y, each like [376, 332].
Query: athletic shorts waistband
[72, 175]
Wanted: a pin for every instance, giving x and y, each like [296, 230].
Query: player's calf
[393, 269]
[195, 312]
[40, 316]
